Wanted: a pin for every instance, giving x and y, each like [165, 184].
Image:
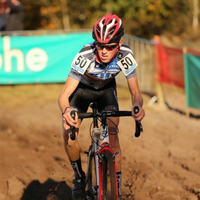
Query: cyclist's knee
[113, 121]
[113, 135]
[113, 131]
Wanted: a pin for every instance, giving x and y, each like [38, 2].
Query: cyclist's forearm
[136, 96]
[137, 99]
[69, 88]
[63, 103]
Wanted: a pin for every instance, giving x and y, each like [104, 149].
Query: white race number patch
[127, 64]
[80, 63]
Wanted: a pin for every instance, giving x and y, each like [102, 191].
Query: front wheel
[108, 184]
[91, 181]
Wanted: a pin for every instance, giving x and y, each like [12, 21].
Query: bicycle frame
[102, 153]
[100, 145]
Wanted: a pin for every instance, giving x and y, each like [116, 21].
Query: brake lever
[138, 124]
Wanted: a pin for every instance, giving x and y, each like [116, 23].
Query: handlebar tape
[138, 124]
[72, 128]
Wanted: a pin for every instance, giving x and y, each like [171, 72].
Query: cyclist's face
[108, 51]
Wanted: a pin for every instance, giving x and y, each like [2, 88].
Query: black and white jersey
[87, 69]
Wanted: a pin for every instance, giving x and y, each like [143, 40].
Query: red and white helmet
[108, 29]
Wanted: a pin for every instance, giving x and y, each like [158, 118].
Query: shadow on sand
[154, 99]
[49, 190]
[183, 113]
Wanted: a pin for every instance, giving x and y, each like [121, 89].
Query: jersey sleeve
[75, 75]
[132, 74]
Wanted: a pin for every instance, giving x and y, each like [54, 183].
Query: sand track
[161, 164]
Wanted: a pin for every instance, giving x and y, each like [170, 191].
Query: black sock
[119, 179]
[76, 165]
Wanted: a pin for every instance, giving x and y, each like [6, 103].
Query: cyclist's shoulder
[84, 58]
[124, 51]
[88, 50]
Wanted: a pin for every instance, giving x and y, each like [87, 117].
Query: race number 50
[80, 63]
[127, 64]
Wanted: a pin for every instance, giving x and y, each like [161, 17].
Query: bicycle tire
[91, 179]
[109, 182]
[104, 178]
[90, 176]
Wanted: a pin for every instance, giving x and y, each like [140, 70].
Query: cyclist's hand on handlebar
[67, 118]
[140, 115]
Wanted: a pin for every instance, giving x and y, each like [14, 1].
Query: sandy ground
[162, 164]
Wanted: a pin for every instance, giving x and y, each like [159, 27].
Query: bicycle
[101, 183]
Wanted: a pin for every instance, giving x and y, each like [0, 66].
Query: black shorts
[105, 97]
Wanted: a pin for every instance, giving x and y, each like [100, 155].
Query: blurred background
[142, 18]
[162, 34]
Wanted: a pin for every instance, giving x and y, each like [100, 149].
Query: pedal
[90, 194]
[94, 189]
[89, 197]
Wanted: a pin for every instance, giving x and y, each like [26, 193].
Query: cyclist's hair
[108, 29]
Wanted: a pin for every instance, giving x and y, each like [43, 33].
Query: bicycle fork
[106, 155]
[102, 152]
[96, 147]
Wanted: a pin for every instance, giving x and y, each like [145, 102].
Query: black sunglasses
[106, 46]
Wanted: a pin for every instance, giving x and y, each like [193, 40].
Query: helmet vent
[98, 31]
[108, 29]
